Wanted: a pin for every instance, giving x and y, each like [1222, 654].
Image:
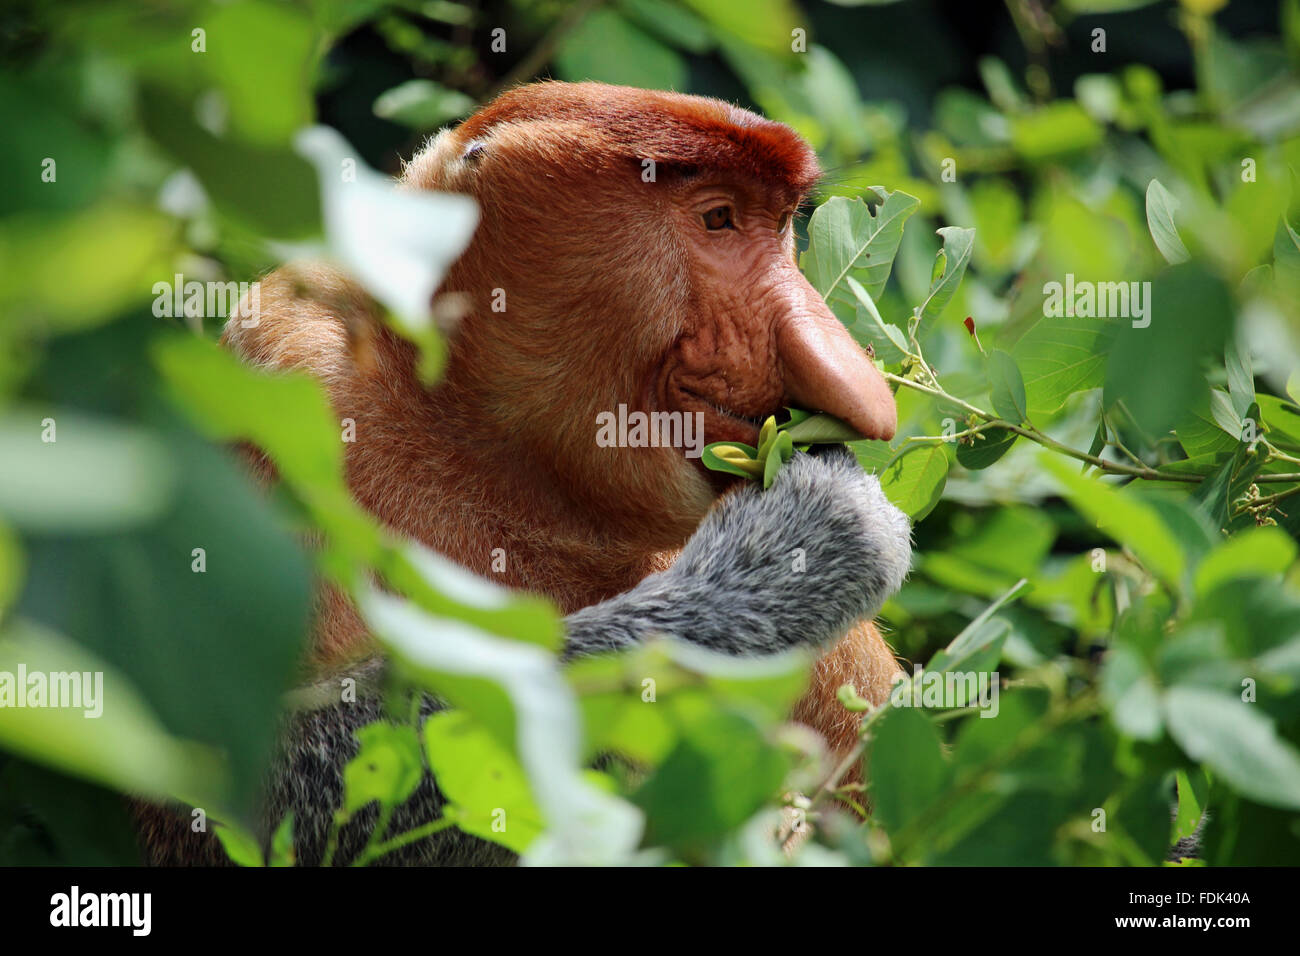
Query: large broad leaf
[484, 781]
[1156, 370]
[979, 645]
[846, 239]
[986, 448]
[719, 774]
[66, 471]
[1200, 431]
[1237, 741]
[261, 53]
[56, 275]
[229, 400]
[104, 732]
[213, 594]
[423, 104]
[1008, 388]
[1061, 355]
[1049, 131]
[914, 482]
[387, 768]
[1130, 691]
[265, 187]
[907, 767]
[1255, 551]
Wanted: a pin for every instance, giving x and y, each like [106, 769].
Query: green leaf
[1156, 370]
[978, 638]
[820, 429]
[671, 23]
[422, 104]
[847, 240]
[12, 566]
[978, 649]
[242, 849]
[1193, 793]
[1199, 431]
[1161, 206]
[718, 775]
[1253, 552]
[540, 723]
[1130, 693]
[282, 852]
[229, 401]
[1053, 130]
[605, 47]
[1008, 388]
[762, 24]
[957, 245]
[109, 735]
[778, 453]
[261, 55]
[894, 347]
[907, 767]
[733, 458]
[96, 475]
[1059, 356]
[986, 448]
[484, 781]
[1125, 518]
[265, 187]
[386, 769]
[232, 579]
[1241, 381]
[1238, 741]
[914, 481]
[1212, 493]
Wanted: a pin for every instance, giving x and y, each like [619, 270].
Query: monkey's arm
[798, 564]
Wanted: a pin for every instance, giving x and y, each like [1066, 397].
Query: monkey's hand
[797, 564]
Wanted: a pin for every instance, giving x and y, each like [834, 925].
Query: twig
[405, 839]
[1034, 435]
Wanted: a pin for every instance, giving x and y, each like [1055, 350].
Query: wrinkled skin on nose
[762, 338]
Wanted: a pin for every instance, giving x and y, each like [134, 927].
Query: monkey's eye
[719, 217]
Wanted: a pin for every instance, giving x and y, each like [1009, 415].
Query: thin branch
[1033, 434]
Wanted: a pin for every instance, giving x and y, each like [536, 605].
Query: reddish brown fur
[603, 293]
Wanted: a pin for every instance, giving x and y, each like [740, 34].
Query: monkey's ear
[473, 152]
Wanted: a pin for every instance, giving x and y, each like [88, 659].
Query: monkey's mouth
[715, 414]
[721, 422]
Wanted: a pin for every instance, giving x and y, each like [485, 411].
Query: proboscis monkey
[642, 244]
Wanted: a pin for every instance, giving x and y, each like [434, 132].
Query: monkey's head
[636, 249]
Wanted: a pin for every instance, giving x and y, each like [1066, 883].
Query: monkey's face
[756, 336]
[635, 251]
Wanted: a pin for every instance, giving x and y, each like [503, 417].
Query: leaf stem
[373, 853]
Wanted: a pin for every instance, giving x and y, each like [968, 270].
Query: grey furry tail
[797, 564]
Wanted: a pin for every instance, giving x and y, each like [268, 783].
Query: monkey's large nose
[827, 371]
